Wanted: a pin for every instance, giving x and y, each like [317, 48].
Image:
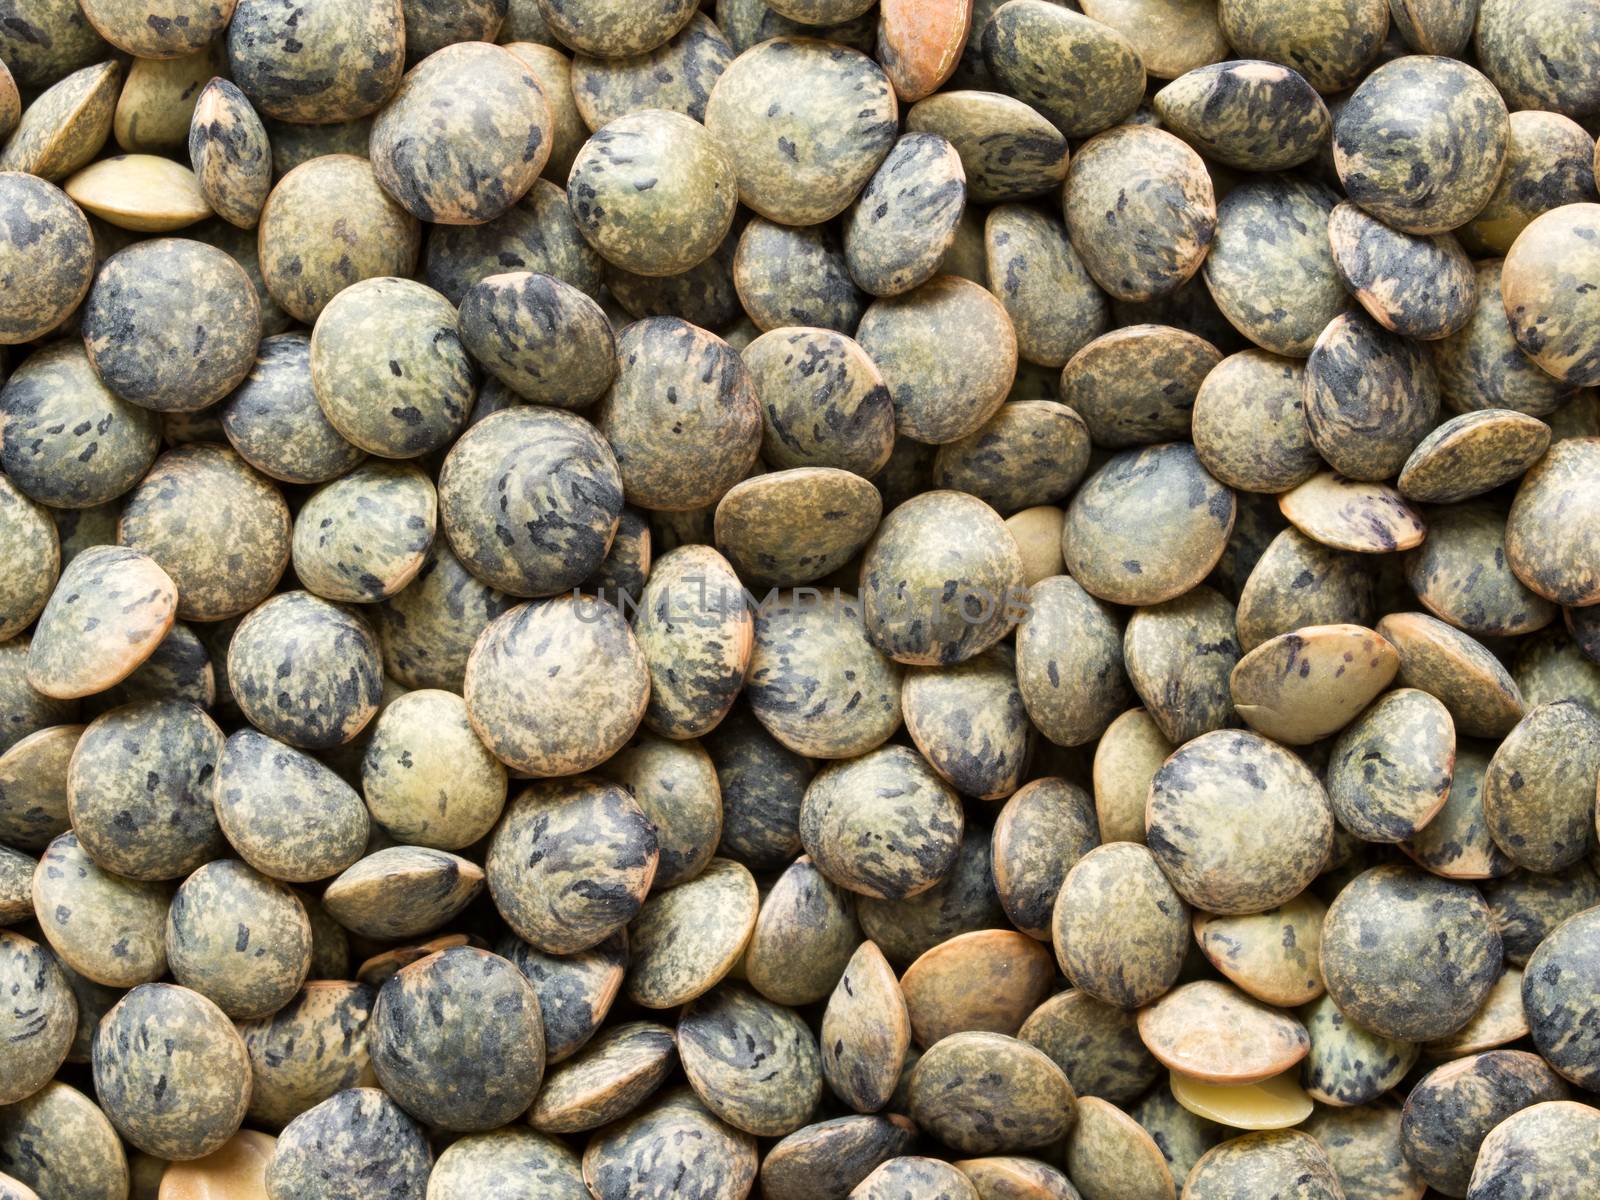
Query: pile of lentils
[918, 600]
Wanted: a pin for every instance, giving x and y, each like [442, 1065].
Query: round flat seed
[286, 814]
[1218, 858]
[675, 1146]
[139, 789]
[687, 938]
[1347, 514]
[1370, 397]
[358, 1141]
[39, 1024]
[1129, 753]
[1095, 77]
[1349, 1064]
[1452, 1108]
[1069, 662]
[1170, 38]
[1273, 956]
[1009, 151]
[1546, 1146]
[832, 1156]
[1120, 886]
[941, 580]
[1306, 685]
[679, 380]
[1549, 162]
[458, 1036]
[1168, 213]
[1558, 996]
[156, 109]
[805, 937]
[653, 192]
[985, 1093]
[575, 991]
[696, 634]
[1482, 366]
[795, 276]
[1419, 287]
[1286, 1161]
[552, 71]
[1272, 241]
[1109, 1155]
[1148, 526]
[311, 1048]
[1552, 534]
[542, 338]
[1409, 955]
[55, 39]
[1249, 425]
[1095, 1044]
[927, 1178]
[1215, 1033]
[273, 422]
[51, 396]
[792, 527]
[571, 863]
[1271, 1104]
[175, 27]
[1471, 454]
[389, 369]
[1455, 132]
[805, 650]
[1389, 772]
[230, 154]
[1251, 115]
[305, 671]
[905, 219]
[1457, 669]
[1538, 792]
[948, 354]
[239, 939]
[1046, 827]
[753, 1063]
[942, 998]
[116, 938]
[1178, 655]
[326, 225]
[1055, 307]
[363, 537]
[46, 241]
[142, 192]
[1456, 844]
[1037, 532]
[969, 722]
[614, 28]
[1137, 385]
[592, 685]
[426, 777]
[865, 1031]
[219, 529]
[883, 825]
[108, 613]
[66, 125]
[171, 1072]
[59, 1141]
[607, 1081]
[806, 124]
[529, 499]
[402, 892]
[1460, 574]
[464, 136]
